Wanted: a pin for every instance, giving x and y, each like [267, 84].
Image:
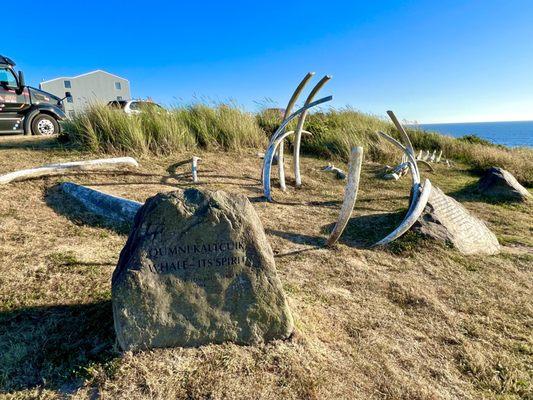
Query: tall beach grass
[227, 127]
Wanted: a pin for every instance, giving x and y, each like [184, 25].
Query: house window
[67, 84]
[118, 85]
[119, 98]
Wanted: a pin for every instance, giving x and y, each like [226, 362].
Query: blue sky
[430, 61]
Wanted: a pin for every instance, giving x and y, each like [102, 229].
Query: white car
[134, 106]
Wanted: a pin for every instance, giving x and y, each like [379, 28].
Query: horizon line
[468, 122]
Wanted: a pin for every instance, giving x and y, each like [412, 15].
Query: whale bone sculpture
[288, 111]
[299, 127]
[278, 138]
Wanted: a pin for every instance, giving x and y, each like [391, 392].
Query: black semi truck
[24, 109]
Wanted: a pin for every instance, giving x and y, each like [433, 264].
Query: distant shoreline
[508, 133]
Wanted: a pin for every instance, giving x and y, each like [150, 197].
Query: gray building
[90, 88]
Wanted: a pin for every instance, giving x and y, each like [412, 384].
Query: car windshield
[117, 104]
[144, 105]
[7, 76]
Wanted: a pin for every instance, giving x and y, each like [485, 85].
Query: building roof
[79, 76]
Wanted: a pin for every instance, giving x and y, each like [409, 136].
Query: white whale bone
[426, 164]
[350, 194]
[298, 131]
[437, 160]
[410, 218]
[194, 162]
[67, 167]
[415, 173]
[288, 111]
[280, 134]
[339, 173]
[403, 133]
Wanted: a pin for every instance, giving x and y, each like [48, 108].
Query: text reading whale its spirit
[180, 257]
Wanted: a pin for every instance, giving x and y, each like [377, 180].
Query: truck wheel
[44, 124]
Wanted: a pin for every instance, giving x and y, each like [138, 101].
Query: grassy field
[416, 320]
[227, 127]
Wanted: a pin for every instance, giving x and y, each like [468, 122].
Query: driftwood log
[113, 209]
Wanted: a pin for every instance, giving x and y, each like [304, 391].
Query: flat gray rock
[501, 184]
[445, 219]
[197, 268]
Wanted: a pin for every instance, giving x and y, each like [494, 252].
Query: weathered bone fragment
[391, 176]
[112, 209]
[339, 173]
[397, 172]
[279, 135]
[195, 168]
[426, 156]
[432, 158]
[350, 194]
[437, 160]
[411, 217]
[426, 164]
[299, 127]
[288, 111]
[68, 167]
[412, 161]
[419, 156]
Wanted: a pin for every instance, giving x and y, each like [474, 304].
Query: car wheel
[44, 125]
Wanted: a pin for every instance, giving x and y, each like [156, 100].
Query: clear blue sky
[430, 61]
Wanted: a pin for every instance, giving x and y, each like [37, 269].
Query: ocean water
[509, 133]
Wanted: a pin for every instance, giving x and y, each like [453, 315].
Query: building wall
[92, 88]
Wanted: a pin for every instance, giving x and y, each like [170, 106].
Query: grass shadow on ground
[31, 142]
[298, 238]
[52, 346]
[365, 230]
[470, 193]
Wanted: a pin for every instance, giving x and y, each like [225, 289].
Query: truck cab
[24, 109]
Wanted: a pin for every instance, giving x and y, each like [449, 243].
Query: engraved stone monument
[197, 268]
[501, 184]
[447, 220]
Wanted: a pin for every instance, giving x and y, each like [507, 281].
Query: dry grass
[414, 321]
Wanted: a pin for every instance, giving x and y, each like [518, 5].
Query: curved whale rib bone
[402, 131]
[67, 167]
[437, 160]
[350, 194]
[413, 166]
[411, 159]
[279, 135]
[410, 218]
[288, 111]
[299, 127]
